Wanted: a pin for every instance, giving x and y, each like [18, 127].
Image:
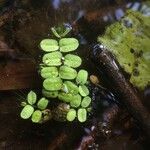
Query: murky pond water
[23, 24]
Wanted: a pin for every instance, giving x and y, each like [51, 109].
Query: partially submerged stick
[102, 58]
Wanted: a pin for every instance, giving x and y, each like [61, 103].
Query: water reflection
[56, 3]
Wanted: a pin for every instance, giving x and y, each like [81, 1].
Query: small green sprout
[49, 72]
[27, 112]
[71, 115]
[83, 90]
[82, 114]
[82, 77]
[52, 84]
[23, 104]
[68, 44]
[31, 98]
[61, 31]
[73, 61]
[49, 45]
[67, 73]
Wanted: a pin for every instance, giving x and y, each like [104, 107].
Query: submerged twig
[102, 58]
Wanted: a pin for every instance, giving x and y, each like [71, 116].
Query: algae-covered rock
[129, 41]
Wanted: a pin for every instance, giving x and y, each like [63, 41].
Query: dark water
[25, 24]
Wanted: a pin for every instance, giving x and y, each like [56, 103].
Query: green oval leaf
[52, 84]
[82, 114]
[31, 97]
[68, 44]
[82, 77]
[86, 101]
[42, 103]
[50, 94]
[27, 112]
[73, 61]
[67, 73]
[70, 87]
[48, 72]
[36, 116]
[71, 115]
[83, 90]
[49, 45]
[76, 101]
[52, 59]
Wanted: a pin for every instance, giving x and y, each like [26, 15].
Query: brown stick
[101, 57]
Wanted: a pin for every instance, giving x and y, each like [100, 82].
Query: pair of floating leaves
[52, 84]
[49, 45]
[65, 45]
[52, 59]
[73, 61]
[28, 109]
[68, 73]
[81, 115]
[68, 44]
[82, 77]
[49, 72]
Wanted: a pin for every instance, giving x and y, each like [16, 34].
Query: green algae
[129, 42]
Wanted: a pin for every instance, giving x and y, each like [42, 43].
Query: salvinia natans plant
[63, 81]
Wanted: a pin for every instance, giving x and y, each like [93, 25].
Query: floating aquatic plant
[37, 116]
[62, 80]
